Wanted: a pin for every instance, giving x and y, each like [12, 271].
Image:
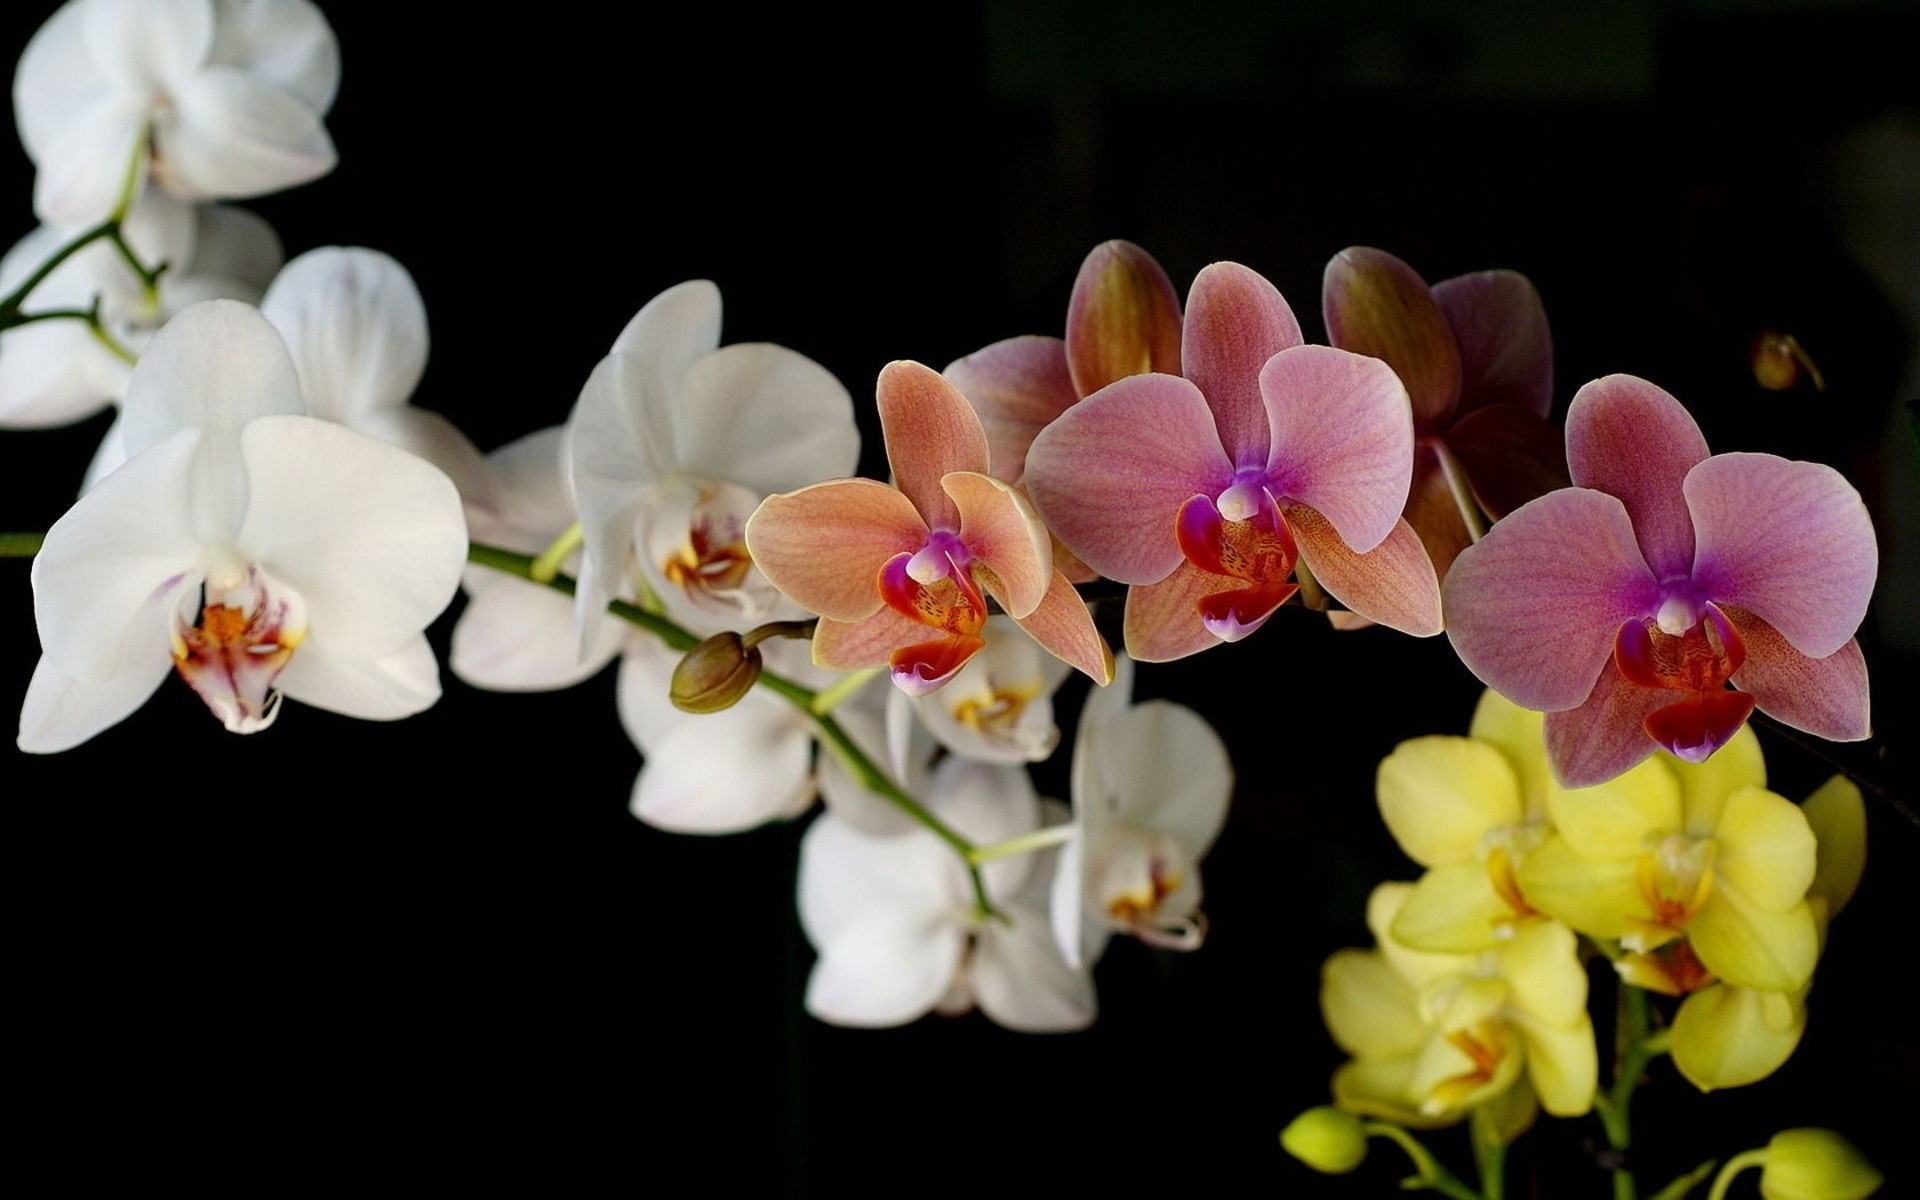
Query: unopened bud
[1816, 1164]
[1327, 1139]
[715, 674]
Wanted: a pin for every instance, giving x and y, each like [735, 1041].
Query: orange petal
[823, 546]
[1392, 584]
[930, 430]
[1006, 538]
[1124, 318]
[1064, 627]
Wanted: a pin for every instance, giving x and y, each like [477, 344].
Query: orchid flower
[717, 772]
[900, 575]
[673, 443]
[1477, 360]
[257, 551]
[58, 372]
[1151, 783]
[215, 99]
[1622, 607]
[1433, 1036]
[1203, 492]
[893, 917]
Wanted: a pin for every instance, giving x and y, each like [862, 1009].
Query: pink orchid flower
[1623, 606]
[1203, 492]
[1477, 360]
[901, 575]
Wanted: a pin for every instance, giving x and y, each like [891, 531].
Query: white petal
[1021, 980]
[235, 249]
[357, 328]
[285, 41]
[83, 163]
[675, 327]
[885, 969]
[728, 771]
[766, 418]
[56, 76]
[431, 436]
[848, 799]
[371, 537]
[517, 636]
[112, 566]
[532, 503]
[386, 687]
[147, 45]
[987, 803]
[51, 374]
[1169, 773]
[61, 712]
[230, 135]
[107, 457]
[612, 457]
[844, 874]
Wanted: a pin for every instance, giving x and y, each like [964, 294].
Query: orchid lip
[230, 646]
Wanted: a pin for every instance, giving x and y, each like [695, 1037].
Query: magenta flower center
[1698, 663]
[934, 586]
[1242, 536]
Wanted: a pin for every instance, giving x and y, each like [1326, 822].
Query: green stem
[547, 564]
[1735, 1165]
[10, 304]
[1428, 1172]
[828, 698]
[1678, 1189]
[1635, 1047]
[836, 738]
[20, 545]
[1026, 843]
[1489, 1155]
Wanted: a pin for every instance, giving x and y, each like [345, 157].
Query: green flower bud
[715, 674]
[1327, 1139]
[1816, 1164]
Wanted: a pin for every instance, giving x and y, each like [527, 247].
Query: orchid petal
[1546, 981]
[1062, 624]
[1236, 321]
[1705, 786]
[1562, 1064]
[1509, 456]
[60, 712]
[432, 437]
[866, 643]
[764, 417]
[1123, 319]
[1632, 440]
[1605, 734]
[1162, 621]
[1005, 537]
[931, 431]
[1022, 981]
[372, 538]
[357, 328]
[1520, 736]
[1767, 849]
[1730, 1036]
[530, 501]
[50, 375]
[1533, 607]
[1453, 909]
[1750, 946]
[82, 166]
[1441, 795]
[1170, 774]
[1594, 896]
[286, 41]
[1111, 474]
[1376, 305]
[1434, 513]
[231, 248]
[1618, 819]
[1342, 443]
[516, 636]
[674, 328]
[232, 135]
[113, 566]
[1790, 542]
[1369, 1009]
[1506, 351]
[823, 546]
[1017, 387]
[384, 687]
[885, 969]
[1838, 818]
[1827, 697]
[1392, 584]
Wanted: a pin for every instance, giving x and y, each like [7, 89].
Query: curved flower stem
[1428, 1173]
[1489, 1155]
[1636, 1048]
[1678, 1189]
[828, 698]
[858, 764]
[547, 564]
[20, 545]
[1735, 1165]
[11, 302]
[1026, 843]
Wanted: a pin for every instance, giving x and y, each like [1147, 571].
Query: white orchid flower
[675, 441]
[256, 550]
[894, 923]
[1151, 783]
[213, 99]
[58, 372]
[999, 707]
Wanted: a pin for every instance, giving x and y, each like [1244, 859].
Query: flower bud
[715, 674]
[1816, 1164]
[1327, 1139]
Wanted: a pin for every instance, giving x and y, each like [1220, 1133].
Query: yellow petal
[1382, 1087]
[1730, 1036]
[1543, 972]
[1518, 733]
[1369, 1009]
[1511, 1113]
[1766, 849]
[1417, 967]
[1563, 1063]
[1454, 910]
[1838, 819]
[1616, 818]
[1594, 896]
[1752, 947]
[1440, 795]
[1705, 786]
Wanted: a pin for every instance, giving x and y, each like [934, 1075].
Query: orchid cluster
[270, 519]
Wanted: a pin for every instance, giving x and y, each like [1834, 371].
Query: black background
[440, 952]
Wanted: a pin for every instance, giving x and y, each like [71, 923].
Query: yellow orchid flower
[1434, 1036]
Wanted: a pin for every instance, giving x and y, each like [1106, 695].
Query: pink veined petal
[866, 643]
[1123, 319]
[823, 546]
[1342, 440]
[1110, 475]
[1163, 621]
[1016, 387]
[1606, 734]
[1064, 627]
[1533, 607]
[1790, 542]
[1827, 697]
[1377, 305]
[931, 431]
[1006, 538]
[1236, 321]
[1392, 584]
[1630, 439]
[1506, 350]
